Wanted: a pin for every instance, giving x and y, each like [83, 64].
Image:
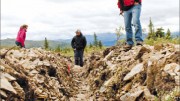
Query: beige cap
[78, 30]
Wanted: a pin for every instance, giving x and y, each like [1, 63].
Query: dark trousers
[78, 56]
[19, 44]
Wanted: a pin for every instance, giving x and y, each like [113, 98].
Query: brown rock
[137, 69]
[5, 85]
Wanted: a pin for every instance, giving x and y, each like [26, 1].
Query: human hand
[121, 12]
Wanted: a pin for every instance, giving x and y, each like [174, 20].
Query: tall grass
[162, 40]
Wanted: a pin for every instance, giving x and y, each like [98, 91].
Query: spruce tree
[46, 43]
[100, 44]
[151, 33]
[168, 34]
[95, 40]
[160, 32]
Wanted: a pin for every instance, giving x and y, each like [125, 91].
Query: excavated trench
[38, 74]
[141, 74]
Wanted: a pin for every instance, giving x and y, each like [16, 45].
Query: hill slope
[31, 43]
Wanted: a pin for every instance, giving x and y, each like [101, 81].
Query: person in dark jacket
[78, 43]
[132, 11]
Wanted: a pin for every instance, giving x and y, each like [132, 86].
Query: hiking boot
[127, 47]
[139, 43]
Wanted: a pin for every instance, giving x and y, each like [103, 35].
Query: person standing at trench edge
[132, 11]
[21, 37]
[78, 44]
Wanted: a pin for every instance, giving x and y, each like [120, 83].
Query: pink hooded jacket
[21, 36]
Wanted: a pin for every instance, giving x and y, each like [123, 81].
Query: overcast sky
[58, 19]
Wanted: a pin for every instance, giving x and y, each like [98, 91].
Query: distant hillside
[108, 39]
[31, 43]
[175, 34]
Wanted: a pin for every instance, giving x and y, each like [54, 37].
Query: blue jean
[133, 15]
[78, 55]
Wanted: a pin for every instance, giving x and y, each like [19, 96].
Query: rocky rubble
[35, 75]
[144, 73]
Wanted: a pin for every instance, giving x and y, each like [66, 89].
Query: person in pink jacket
[21, 36]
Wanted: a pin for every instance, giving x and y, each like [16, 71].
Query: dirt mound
[144, 73]
[35, 74]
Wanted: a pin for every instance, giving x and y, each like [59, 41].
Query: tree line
[153, 34]
[159, 33]
[95, 44]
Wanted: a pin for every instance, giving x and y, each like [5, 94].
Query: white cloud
[58, 19]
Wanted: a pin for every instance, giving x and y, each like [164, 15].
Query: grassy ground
[162, 41]
[68, 51]
[87, 51]
[5, 47]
